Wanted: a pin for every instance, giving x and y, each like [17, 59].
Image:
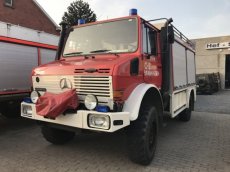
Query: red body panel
[153, 68]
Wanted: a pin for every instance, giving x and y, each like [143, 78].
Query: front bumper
[117, 120]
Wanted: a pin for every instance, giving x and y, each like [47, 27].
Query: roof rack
[182, 36]
[177, 33]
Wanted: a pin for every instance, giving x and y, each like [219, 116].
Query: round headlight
[90, 102]
[34, 96]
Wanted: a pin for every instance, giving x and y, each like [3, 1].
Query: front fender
[133, 103]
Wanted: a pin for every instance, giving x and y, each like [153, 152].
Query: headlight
[34, 96]
[90, 102]
[99, 121]
[27, 110]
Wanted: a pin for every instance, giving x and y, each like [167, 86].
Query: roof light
[133, 11]
[81, 21]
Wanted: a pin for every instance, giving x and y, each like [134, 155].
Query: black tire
[210, 91]
[57, 136]
[201, 82]
[186, 114]
[142, 136]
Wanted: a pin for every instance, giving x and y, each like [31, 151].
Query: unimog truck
[109, 75]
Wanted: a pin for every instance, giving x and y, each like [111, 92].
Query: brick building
[27, 13]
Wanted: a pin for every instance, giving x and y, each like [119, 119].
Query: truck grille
[100, 86]
[101, 70]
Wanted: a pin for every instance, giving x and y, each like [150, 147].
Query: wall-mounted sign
[210, 46]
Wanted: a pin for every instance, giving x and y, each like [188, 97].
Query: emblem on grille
[65, 84]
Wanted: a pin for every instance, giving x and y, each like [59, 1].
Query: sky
[194, 18]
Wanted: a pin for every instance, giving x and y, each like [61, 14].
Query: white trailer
[21, 49]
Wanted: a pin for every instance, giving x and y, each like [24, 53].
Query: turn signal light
[118, 93]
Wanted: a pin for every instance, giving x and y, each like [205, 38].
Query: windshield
[112, 37]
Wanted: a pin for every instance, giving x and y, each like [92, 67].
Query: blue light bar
[27, 100]
[133, 11]
[102, 109]
[81, 21]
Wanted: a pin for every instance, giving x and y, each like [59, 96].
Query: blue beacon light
[102, 109]
[27, 100]
[81, 21]
[133, 11]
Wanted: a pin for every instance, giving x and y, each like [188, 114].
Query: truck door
[151, 58]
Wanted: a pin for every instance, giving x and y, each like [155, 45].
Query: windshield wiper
[73, 53]
[99, 51]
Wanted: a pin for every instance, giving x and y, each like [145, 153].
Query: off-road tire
[142, 136]
[185, 115]
[210, 91]
[57, 136]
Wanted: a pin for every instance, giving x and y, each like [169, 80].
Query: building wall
[211, 60]
[27, 14]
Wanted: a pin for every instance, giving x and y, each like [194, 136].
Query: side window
[9, 3]
[149, 40]
[145, 39]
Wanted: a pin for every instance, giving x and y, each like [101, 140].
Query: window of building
[9, 3]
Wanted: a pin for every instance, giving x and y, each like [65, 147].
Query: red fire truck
[127, 73]
[21, 49]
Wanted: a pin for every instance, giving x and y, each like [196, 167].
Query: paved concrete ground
[218, 102]
[203, 144]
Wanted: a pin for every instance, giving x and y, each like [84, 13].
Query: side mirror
[152, 41]
[170, 34]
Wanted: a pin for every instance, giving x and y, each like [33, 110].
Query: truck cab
[125, 76]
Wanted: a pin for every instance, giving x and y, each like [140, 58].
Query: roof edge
[47, 15]
[211, 37]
